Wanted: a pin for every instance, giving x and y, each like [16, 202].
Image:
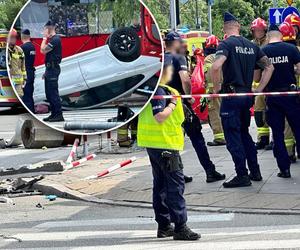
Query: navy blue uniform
[168, 185]
[30, 52]
[238, 70]
[53, 59]
[284, 57]
[193, 128]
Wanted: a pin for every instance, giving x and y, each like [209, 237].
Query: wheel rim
[124, 42]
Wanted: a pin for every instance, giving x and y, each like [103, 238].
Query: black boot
[188, 179]
[56, 118]
[238, 181]
[216, 143]
[264, 141]
[256, 176]
[164, 232]
[284, 174]
[293, 158]
[186, 234]
[47, 118]
[214, 176]
[270, 146]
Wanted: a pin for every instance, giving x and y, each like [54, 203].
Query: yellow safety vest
[16, 62]
[166, 135]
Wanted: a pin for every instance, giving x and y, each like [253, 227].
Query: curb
[62, 191]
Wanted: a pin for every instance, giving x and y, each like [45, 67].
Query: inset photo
[84, 66]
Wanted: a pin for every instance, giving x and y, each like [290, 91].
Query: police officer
[285, 58]
[182, 83]
[289, 36]
[160, 131]
[29, 52]
[52, 48]
[238, 58]
[16, 63]
[215, 123]
[259, 30]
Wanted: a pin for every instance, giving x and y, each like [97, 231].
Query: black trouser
[28, 90]
[51, 89]
[168, 189]
[193, 129]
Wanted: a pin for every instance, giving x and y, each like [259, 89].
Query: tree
[8, 12]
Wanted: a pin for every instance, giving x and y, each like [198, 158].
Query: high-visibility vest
[166, 135]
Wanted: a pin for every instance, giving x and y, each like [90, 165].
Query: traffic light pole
[210, 19]
[173, 15]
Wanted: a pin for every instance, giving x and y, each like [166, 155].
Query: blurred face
[167, 74]
[296, 29]
[177, 45]
[259, 33]
[12, 40]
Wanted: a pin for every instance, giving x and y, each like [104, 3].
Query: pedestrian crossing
[99, 234]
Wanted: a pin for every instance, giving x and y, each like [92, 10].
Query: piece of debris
[39, 206]
[51, 197]
[2, 144]
[44, 148]
[4, 199]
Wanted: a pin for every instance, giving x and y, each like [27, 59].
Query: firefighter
[181, 81]
[286, 60]
[289, 36]
[295, 22]
[259, 30]
[215, 123]
[29, 52]
[16, 63]
[160, 132]
[123, 134]
[52, 48]
[238, 58]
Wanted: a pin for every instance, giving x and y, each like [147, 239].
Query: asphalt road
[65, 224]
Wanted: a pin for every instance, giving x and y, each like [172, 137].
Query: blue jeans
[168, 189]
[279, 108]
[236, 117]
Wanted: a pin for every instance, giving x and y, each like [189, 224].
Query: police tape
[111, 169]
[79, 162]
[196, 96]
[73, 151]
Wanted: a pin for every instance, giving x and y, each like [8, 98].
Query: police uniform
[163, 142]
[29, 52]
[238, 70]
[284, 57]
[263, 130]
[213, 105]
[16, 62]
[52, 63]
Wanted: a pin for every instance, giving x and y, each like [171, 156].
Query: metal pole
[275, 3]
[209, 19]
[97, 17]
[173, 15]
[197, 15]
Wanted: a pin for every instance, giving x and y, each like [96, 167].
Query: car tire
[125, 44]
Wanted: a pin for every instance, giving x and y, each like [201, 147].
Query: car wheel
[125, 44]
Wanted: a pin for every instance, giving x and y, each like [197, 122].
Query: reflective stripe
[263, 131]
[219, 136]
[289, 142]
[122, 131]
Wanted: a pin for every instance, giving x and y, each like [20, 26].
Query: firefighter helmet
[259, 23]
[287, 31]
[212, 42]
[293, 20]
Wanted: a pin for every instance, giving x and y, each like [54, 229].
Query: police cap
[228, 17]
[26, 32]
[173, 36]
[50, 23]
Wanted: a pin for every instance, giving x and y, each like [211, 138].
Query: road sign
[289, 10]
[275, 15]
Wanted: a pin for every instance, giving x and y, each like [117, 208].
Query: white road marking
[132, 221]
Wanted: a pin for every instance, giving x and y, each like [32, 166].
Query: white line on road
[132, 221]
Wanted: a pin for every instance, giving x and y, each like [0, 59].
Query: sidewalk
[132, 185]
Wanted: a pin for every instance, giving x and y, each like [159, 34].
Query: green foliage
[8, 12]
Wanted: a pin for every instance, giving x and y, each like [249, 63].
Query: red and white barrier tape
[75, 164]
[160, 97]
[73, 151]
[111, 169]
